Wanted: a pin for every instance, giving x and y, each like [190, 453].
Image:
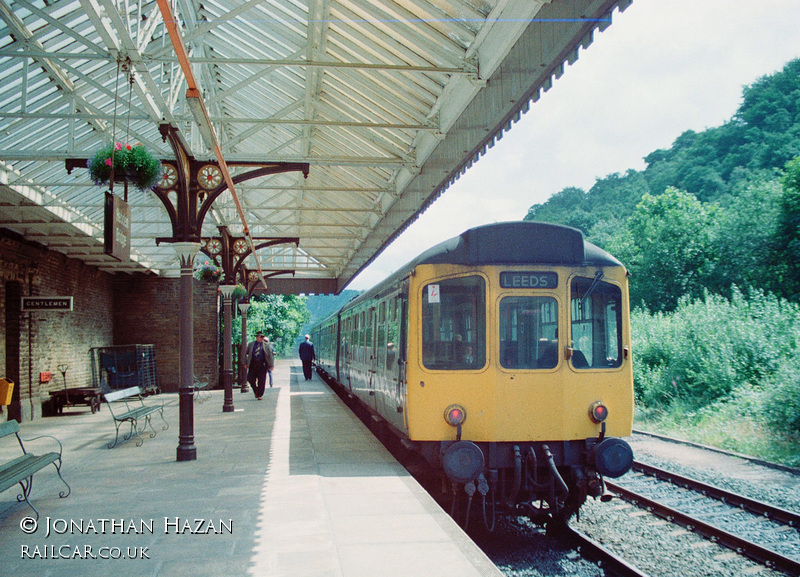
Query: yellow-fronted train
[503, 357]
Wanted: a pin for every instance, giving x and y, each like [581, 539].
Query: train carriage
[503, 357]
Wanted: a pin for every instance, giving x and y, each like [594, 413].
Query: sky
[661, 68]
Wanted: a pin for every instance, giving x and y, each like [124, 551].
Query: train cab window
[596, 323]
[454, 324]
[528, 332]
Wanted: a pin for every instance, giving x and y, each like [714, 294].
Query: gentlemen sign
[117, 235]
[46, 303]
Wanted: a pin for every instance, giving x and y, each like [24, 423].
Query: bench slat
[136, 413]
[122, 394]
[23, 467]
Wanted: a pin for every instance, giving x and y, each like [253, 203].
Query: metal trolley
[123, 366]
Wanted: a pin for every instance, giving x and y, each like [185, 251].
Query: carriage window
[596, 317]
[454, 324]
[528, 332]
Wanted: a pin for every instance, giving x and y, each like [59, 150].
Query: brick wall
[107, 310]
[146, 311]
[50, 338]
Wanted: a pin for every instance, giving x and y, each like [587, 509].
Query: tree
[667, 247]
[279, 317]
[745, 243]
[565, 207]
[788, 234]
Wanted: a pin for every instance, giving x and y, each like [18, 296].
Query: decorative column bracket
[233, 251]
[198, 184]
[251, 277]
[259, 245]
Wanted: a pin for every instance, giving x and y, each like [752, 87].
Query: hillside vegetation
[710, 231]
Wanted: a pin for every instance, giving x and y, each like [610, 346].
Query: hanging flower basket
[239, 292]
[208, 271]
[132, 163]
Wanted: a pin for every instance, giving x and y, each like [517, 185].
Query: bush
[711, 347]
[782, 398]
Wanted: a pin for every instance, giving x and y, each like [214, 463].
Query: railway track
[764, 533]
[590, 549]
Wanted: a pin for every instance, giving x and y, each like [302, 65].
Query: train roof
[506, 243]
[518, 243]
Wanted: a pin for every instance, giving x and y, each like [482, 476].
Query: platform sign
[117, 233]
[46, 303]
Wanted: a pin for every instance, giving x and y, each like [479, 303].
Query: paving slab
[290, 485]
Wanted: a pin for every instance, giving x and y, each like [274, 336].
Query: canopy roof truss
[388, 101]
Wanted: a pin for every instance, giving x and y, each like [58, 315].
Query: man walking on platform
[259, 362]
[307, 356]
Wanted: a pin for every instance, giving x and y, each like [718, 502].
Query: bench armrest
[24, 450]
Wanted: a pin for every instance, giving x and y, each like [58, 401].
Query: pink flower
[118, 146]
[108, 162]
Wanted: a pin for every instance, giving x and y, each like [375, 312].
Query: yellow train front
[503, 357]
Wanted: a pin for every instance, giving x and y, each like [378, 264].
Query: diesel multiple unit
[502, 356]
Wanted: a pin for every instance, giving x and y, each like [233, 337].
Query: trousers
[257, 377]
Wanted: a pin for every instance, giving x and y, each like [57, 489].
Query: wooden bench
[127, 406]
[20, 470]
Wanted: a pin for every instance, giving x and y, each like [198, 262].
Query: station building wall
[107, 310]
[146, 311]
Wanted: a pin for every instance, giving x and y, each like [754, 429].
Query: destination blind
[528, 279]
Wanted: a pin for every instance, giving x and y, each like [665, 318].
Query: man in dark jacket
[259, 363]
[307, 356]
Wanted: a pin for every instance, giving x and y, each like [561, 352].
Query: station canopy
[386, 101]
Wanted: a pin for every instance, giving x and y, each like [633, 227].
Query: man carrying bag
[260, 361]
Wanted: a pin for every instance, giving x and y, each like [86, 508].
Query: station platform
[291, 485]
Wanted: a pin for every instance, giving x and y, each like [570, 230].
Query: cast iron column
[243, 307]
[227, 369]
[186, 449]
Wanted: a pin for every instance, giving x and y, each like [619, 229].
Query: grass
[729, 425]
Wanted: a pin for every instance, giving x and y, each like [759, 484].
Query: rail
[594, 551]
[737, 542]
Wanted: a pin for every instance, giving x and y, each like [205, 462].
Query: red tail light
[598, 412]
[455, 415]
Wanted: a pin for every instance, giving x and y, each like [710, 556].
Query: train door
[337, 349]
[531, 388]
[400, 327]
[371, 354]
[381, 386]
[346, 351]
